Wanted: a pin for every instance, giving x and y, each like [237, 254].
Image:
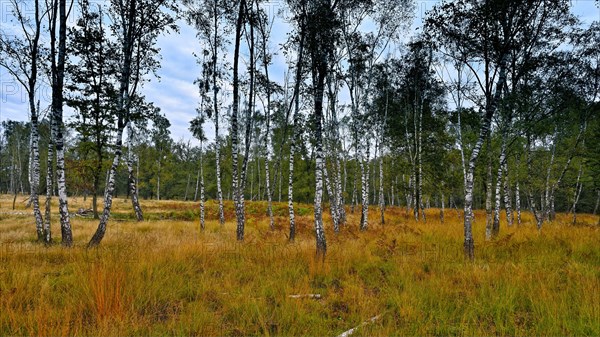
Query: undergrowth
[166, 277]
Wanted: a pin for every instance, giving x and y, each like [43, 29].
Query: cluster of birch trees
[491, 104]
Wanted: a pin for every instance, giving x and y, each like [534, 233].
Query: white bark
[518, 202]
[488, 199]
[295, 134]
[498, 195]
[381, 196]
[577, 193]
[332, 200]
[365, 172]
[202, 222]
[507, 196]
[132, 180]
[57, 111]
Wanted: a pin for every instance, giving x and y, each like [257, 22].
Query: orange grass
[166, 277]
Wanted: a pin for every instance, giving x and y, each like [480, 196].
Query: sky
[175, 92]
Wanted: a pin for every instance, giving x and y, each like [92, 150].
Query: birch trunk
[215, 46]
[202, 221]
[57, 111]
[340, 193]
[35, 175]
[577, 193]
[128, 15]
[420, 162]
[415, 194]
[469, 244]
[539, 215]
[332, 200]
[295, 134]
[381, 196]
[109, 192]
[488, 198]
[236, 182]
[354, 191]
[507, 197]
[267, 131]
[518, 202]
[49, 184]
[364, 167]
[318, 99]
[132, 180]
[518, 192]
[497, 209]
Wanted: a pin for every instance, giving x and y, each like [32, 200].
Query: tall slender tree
[137, 25]
[20, 56]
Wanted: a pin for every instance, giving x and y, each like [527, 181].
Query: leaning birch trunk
[577, 193]
[57, 110]
[109, 192]
[550, 202]
[497, 205]
[132, 181]
[122, 121]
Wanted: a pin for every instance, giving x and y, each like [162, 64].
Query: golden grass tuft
[166, 277]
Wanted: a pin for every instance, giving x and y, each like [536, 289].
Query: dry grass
[165, 277]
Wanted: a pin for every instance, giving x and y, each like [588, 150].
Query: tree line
[490, 105]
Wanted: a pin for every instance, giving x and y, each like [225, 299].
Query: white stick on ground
[353, 330]
[315, 296]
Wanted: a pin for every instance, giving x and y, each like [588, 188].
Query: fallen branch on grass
[353, 330]
[315, 296]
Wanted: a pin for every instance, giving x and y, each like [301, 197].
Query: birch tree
[196, 127]
[206, 17]
[20, 55]
[92, 88]
[482, 36]
[58, 55]
[137, 23]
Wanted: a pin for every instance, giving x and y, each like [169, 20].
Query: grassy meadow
[164, 276]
